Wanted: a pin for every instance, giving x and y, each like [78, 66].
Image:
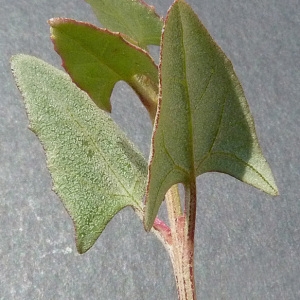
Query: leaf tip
[275, 190]
[150, 213]
[53, 22]
[146, 215]
[147, 224]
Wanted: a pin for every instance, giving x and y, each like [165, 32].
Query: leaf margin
[151, 209]
[82, 246]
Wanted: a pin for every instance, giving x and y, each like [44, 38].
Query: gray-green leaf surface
[95, 169]
[203, 122]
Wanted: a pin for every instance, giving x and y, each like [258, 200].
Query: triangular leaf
[131, 17]
[95, 169]
[203, 122]
[97, 59]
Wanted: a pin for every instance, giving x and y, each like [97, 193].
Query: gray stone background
[247, 243]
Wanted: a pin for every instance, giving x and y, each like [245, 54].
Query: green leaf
[203, 122]
[95, 169]
[131, 17]
[97, 59]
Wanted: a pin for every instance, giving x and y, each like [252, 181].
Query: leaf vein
[170, 156]
[212, 72]
[190, 118]
[96, 148]
[246, 164]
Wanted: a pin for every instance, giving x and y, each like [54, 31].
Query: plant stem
[189, 234]
[147, 92]
[179, 238]
[182, 230]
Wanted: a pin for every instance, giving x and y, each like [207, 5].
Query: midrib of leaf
[192, 172]
[99, 152]
[87, 49]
